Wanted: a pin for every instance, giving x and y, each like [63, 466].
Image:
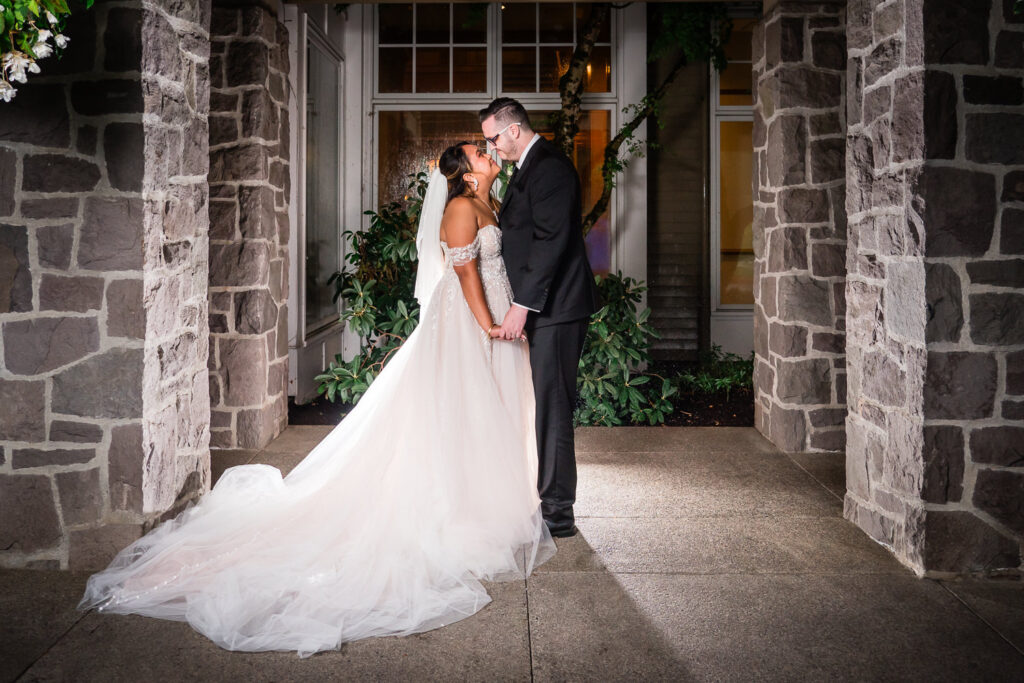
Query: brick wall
[103, 408]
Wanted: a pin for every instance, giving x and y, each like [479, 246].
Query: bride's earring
[476, 185]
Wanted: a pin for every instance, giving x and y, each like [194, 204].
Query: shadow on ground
[704, 554]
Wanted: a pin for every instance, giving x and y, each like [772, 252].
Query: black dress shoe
[564, 533]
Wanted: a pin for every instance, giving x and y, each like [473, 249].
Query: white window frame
[312, 35]
[628, 206]
[731, 325]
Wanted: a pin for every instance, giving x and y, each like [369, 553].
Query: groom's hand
[515, 320]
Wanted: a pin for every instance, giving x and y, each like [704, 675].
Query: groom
[553, 287]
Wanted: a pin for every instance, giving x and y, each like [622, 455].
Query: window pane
[408, 141]
[519, 69]
[734, 85]
[470, 69]
[736, 212]
[741, 40]
[322, 185]
[599, 72]
[432, 69]
[556, 22]
[588, 157]
[583, 13]
[394, 71]
[554, 62]
[395, 23]
[470, 23]
[519, 23]
[432, 23]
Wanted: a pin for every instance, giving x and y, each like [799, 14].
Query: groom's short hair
[505, 111]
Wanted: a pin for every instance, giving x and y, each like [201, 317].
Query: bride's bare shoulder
[459, 223]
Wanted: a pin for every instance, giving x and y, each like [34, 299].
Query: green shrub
[718, 371]
[613, 387]
[376, 286]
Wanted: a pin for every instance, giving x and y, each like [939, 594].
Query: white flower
[50, 18]
[33, 68]
[43, 36]
[15, 63]
[41, 50]
[61, 40]
[7, 91]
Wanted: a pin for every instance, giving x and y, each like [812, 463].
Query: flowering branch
[30, 30]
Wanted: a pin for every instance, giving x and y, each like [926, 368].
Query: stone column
[935, 178]
[800, 225]
[103, 406]
[250, 184]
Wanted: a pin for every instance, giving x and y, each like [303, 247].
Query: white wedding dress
[389, 524]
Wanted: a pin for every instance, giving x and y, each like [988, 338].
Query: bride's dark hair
[454, 164]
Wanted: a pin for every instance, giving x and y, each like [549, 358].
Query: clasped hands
[512, 327]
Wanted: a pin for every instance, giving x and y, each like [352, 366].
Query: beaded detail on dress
[486, 247]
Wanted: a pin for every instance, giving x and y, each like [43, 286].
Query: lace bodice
[486, 248]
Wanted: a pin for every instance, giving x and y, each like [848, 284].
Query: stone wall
[249, 186]
[103, 199]
[935, 180]
[800, 225]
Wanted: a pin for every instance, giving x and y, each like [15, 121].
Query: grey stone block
[995, 138]
[957, 541]
[31, 117]
[24, 458]
[51, 207]
[54, 244]
[944, 302]
[126, 314]
[956, 31]
[44, 344]
[943, 464]
[105, 385]
[81, 500]
[959, 385]
[15, 273]
[123, 145]
[81, 294]
[81, 432]
[997, 318]
[1003, 446]
[111, 237]
[126, 458]
[28, 513]
[960, 211]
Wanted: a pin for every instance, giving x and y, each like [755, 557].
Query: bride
[390, 523]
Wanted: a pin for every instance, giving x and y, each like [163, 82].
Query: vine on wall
[30, 30]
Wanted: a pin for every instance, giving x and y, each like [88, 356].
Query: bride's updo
[454, 164]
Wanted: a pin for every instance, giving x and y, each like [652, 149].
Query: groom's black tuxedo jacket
[542, 239]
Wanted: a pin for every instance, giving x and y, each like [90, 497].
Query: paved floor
[704, 554]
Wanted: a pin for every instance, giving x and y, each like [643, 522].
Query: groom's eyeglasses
[494, 140]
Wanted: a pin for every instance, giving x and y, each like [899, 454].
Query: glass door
[323, 183]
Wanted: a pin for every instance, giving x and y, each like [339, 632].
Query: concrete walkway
[704, 554]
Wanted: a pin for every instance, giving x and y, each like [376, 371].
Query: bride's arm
[459, 228]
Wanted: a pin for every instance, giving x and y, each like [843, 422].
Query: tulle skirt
[387, 527]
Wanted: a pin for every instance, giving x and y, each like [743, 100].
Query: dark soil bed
[736, 410]
[320, 411]
[714, 410]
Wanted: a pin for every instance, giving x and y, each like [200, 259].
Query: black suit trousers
[555, 352]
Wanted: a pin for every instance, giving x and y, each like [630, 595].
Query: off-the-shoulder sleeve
[463, 255]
